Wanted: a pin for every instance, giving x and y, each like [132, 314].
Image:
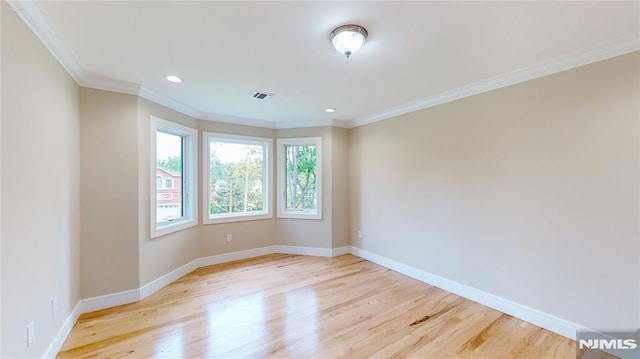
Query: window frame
[267, 212]
[189, 177]
[283, 212]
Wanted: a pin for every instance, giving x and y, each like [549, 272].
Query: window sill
[237, 218]
[172, 228]
[300, 215]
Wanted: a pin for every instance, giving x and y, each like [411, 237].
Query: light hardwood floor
[287, 306]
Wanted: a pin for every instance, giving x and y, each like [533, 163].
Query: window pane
[237, 182]
[301, 180]
[169, 200]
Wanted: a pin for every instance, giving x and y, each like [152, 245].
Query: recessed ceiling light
[173, 78]
[329, 110]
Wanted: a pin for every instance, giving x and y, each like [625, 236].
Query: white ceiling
[418, 53]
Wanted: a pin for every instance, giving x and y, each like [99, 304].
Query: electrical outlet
[31, 333]
[54, 305]
[359, 234]
[229, 237]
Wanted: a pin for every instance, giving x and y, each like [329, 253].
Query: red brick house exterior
[168, 193]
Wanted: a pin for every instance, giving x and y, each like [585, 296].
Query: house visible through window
[300, 178]
[174, 159]
[236, 184]
[169, 159]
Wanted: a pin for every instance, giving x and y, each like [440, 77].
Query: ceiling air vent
[262, 95]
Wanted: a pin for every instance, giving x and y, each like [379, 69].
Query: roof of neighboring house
[171, 172]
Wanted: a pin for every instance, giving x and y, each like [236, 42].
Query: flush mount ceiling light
[173, 78]
[348, 39]
[329, 110]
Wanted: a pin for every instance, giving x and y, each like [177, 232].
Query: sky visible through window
[167, 145]
[231, 152]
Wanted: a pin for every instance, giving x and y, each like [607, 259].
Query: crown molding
[168, 102]
[40, 24]
[507, 79]
[272, 125]
[100, 83]
[216, 117]
[341, 123]
[313, 123]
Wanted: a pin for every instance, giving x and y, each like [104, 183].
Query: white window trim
[189, 178]
[288, 213]
[161, 182]
[168, 180]
[267, 212]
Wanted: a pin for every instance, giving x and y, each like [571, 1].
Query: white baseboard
[533, 316]
[108, 300]
[62, 334]
[340, 251]
[305, 251]
[544, 320]
[92, 304]
[134, 295]
[234, 256]
[313, 251]
[158, 283]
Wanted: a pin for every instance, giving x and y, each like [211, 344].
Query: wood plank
[289, 306]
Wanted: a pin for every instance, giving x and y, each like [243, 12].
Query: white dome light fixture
[348, 39]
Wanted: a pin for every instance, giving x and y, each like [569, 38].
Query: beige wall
[109, 192]
[529, 192]
[160, 255]
[340, 187]
[107, 116]
[40, 197]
